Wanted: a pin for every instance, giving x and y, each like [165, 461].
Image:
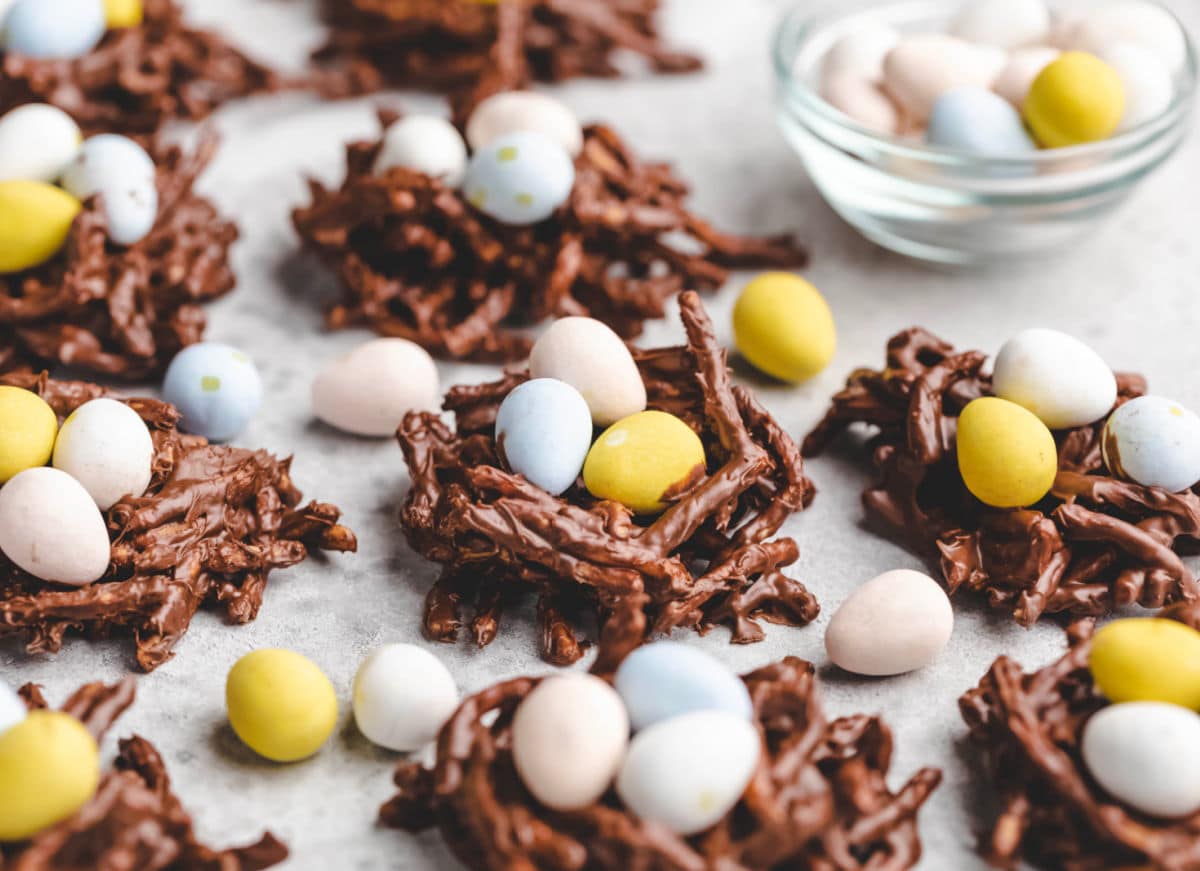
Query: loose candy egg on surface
[280, 704]
[1154, 441]
[1076, 98]
[568, 739]
[35, 219]
[61, 29]
[977, 120]
[49, 768]
[520, 178]
[588, 355]
[862, 100]
[12, 709]
[37, 142]
[664, 781]
[923, 66]
[1147, 660]
[216, 388]
[50, 527]
[123, 173]
[1022, 68]
[1006, 455]
[369, 390]
[643, 461]
[424, 143]
[1056, 376]
[402, 696]
[1149, 87]
[123, 13]
[1147, 755]
[783, 326]
[544, 431]
[106, 447]
[666, 679]
[860, 53]
[28, 427]
[1003, 23]
[517, 111]
[1146, 24]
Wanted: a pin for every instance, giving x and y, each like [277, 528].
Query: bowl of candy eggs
[982, 131]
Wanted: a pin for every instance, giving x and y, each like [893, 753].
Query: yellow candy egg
[27, 431]
[642, 460]
[280, 704]
[1006, 455]
[1148, 660]
[783, 326]
[49, 768]
[122, 13]
[1076, 98]
[35, 218]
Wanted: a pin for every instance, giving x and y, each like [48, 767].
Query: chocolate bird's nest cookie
[1094, 544]
[212, 525]
[416, 260]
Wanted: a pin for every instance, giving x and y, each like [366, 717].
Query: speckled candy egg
[216, 388]
[1022, 68]
[589, 356]
[280, 704]
[1147, 660]
[1076, 98]
[12, 708]
[49, 767]
[62, 29]
[1155, 442]
[1146, 24]
[402, 696]
[783, 326]
[51, 528]
[923, 66]
[1006, 455]
[861, 52]
[37, 142]
[424, 143]
[644, 461]
[107, 448]
[35, 219]
[667, 678]
[28, 427]
[369, 390]
[520, 178]
[975, 119]
[1056, 376]
[1149, 87]
[543, 432]
[517, 111]
[123, 174]
[1003, 23]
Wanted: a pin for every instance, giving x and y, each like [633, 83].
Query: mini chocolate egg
[860, 53]
[216, 388]
[1149, 87]
[519, 178]
[369, 390]
[402, 696]
[783, 326]
[123, 174]
[543, 432]
[427, 144]
[1148, 659]
[1006, 455]
[1056, 376]
[1146, 24]
[120, 14]
[568, 739]
[12, 708]
[53, 29]
[686, 773]
[667, 678]
[975, 119]
[589, 356]
[106, 447]
[517, 111]
[1076, 98]
[1154, 441]
[644, 461]
[35, 219]
[1005, 24]
[28, 427]
[1022, 68]
[862, 100]
[280, 704]
[923, 66]
[49, 768]
[37, 142]
[50, 527]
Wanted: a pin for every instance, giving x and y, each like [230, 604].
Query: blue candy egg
[123, 174]
[544, 431]
[54, 28]
[978, 120]
[521, 178]
[665, 679]
[215, 387]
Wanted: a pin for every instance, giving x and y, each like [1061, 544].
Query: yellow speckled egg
[1006, 455]
[1148, 660]
[783, 326]
[1076, 98]
[49, 767]
[35, 218]
[280, 704]
[122, 13]
[643, 460]
[27, 431]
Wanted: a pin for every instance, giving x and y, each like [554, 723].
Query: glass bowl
[946, 205]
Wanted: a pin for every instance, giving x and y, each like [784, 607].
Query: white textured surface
[1130, 291]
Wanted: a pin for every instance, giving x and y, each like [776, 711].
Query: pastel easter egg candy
[1149, 86]
[402, 696]
[51, 528]
[106, 447]
[519, 178]
[568, 739]
[35, 219]
[120, 14]
[667, 678]
[588, 355]
[783, 326]
[1006, 24]
[427, 144]
[12, 709]
[644, 461]
[28, 427]
[1147, 24]
[37, 142]
[1023, 66]
[280, 704]
[543, 432]
[1147, 660]
[1146, 755]
[517, 111]
[862, 100]
[1076, 98]
[369, 390]
[1006, 455]
[923, 66]
[216, 388]
[123, 173]
[49, 768]
[663, 780]
[61, 29]
[1056, 376]
[975, 119]
[1154, 441]
[861, 52]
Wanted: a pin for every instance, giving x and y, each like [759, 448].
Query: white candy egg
[123, 173]
[923, 66]
[369, 390]
[107, 448]
[862, 100]
[12, 709]
[1022, 68]
[515, 111]
[544, 432]
[1056, 376]
[1149, 87]
[402, 696]
[424, 143]
[37, 142]
[51, 527]
[861, 52]
[1154, 441]
[588, 355]
[1146, 24]
[1003, 23]
[520, 178]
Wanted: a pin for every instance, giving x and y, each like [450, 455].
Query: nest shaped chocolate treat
[1094, 544]
[416, 260]
[134, 820]
[708, 559]
[212, 525]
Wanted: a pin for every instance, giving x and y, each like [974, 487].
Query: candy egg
[543, 431]
[51, 528]
[1147, 755]
[123, 173]
[37, 142]
[665, 679]
[424, 143]
[122, 13]
[1056, 376]
[923, 66]
[974, 119]
[783, 326]
[664, 780]
[861, 53]
[280, 704]
[1003, 23]
[107, 448]
[402, 696]
[568, 739]
[644, 461]
[61, 29]
[517, 111]
[35, 219]
[519, 178]
[27, 430]
[1022, 68]
[1007, 456]
[588, 355]
[12, 709]
[862, 100]
[1147, 660]
[1146, 24]
[369, 390]
[49, 768]
[215, 387]
[1076, 98]
[1148, 85]
[1155, 442]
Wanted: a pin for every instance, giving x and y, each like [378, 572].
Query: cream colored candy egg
[1022, 68]
[861, 52]
[426, 144]
[50, 527]
[1056, 376]
[588, 355]
[517, 111]
[402, 696]
[923, 66]
[862, 100]
[49, 767]
[37, 142]
[1003, 23]
[106, 447]
[1149, 87]
[1146, 24]
[369, 390]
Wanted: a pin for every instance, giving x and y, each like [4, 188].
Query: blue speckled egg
[123, 173]
[216, 388]
[544, 431]
[978, 120]
[520, 178]
[54, 28]
[665, 679]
